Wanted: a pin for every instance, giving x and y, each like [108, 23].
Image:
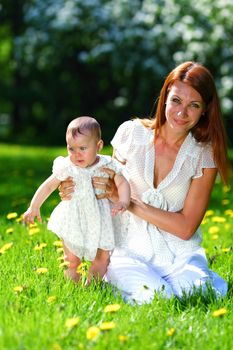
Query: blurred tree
[106, 58]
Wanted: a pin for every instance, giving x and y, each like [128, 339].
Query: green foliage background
[107, 58]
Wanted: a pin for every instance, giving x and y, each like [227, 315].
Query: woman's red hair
[210, 128]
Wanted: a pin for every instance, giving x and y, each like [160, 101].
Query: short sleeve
[206, 160]
[61, 168]
[116, 166]
[108, 162]
[122, 140]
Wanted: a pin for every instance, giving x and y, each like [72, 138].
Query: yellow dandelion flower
[92, 333]
[60, 250]
[170, 332]
[225, 201]
[33, 225]
[213, 229]
[18, 289]
[105, 326]
[225, 250]
[72, 322]
[218, 219]
[226, 189]
[58, 244]
[51, 299]
[9, 230]
[40, 246]
[12, 216]
[82, 268]
[227, 226]
[219, 312]
[32, 231]
[5, 247]
[123, 338]
[229, 212]
[214, 237]
[60, 258]
[64, 264]
[19, 219]
[209, 213]
[204, 221]
[112, 308]
[41, 270]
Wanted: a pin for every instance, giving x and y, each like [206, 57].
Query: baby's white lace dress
[84, 223]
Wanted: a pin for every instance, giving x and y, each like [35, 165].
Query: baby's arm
[42, 193]
[123, 189]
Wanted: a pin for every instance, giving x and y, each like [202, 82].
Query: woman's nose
[182, 113]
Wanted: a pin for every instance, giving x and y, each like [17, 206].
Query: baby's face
[82, 149]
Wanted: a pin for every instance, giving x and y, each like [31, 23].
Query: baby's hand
[119, 208]
[31, 214]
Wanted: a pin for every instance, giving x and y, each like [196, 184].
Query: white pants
[137, 280]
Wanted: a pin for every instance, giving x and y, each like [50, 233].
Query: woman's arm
[184, 223]
[42, 193]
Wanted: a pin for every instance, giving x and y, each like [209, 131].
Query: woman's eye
[194, 105]
[175, 100]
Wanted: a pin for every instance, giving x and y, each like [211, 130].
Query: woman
[171, 162]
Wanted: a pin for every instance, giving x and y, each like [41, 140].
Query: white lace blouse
[134, 144]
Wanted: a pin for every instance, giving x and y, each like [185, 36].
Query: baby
[84, 224]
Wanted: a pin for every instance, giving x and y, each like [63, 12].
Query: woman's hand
[66, 189]
[106, 184]
[136, 203]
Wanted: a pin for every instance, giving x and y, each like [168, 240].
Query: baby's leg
[74, 261]
[99, 265]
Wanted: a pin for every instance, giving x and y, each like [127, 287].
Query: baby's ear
[100, 145]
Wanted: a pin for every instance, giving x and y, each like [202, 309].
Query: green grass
[29, 321]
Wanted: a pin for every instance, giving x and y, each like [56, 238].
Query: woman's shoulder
[138, 131]
[201, 154]
[196, 148]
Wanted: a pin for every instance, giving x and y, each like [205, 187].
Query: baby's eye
[83, 148]
[70, 149]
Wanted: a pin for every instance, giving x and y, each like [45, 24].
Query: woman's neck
[170, 137]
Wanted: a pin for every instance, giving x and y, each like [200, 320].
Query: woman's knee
[136, 280]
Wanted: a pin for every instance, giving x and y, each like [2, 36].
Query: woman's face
[184, 107]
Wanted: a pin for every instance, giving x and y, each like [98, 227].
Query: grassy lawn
[42, 311]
